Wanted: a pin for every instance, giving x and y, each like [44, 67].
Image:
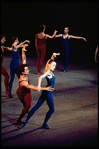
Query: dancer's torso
[41, 41]
[23, 89]
[50, 80]
[65, 41]
[15, 58]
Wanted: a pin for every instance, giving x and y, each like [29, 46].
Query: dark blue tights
[13, 71]
[48, 96]
[65, 57]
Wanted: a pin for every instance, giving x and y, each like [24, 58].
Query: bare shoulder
[70, 36]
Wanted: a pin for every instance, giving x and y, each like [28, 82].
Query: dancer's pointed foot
[63, 70]
[24, 123]
[45, 125]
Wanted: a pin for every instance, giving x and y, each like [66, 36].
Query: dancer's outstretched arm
[25, 84]
[77, 37]
[60, 35]
[20, 45]
[48, 36]
[7, 48]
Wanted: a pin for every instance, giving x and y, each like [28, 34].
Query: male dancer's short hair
[21, 68]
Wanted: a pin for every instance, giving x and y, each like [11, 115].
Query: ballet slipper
[45, 125]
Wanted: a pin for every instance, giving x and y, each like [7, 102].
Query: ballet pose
[65, 47]
[15, 61]
[3, 70]
[24, 90]
[40, 44]
[46, 95]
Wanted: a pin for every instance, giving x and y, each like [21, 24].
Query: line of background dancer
[40, 44]
[65, 47]
[24, 89]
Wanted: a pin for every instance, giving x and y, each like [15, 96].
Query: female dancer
[24, 90]
[46, 95]
[3, 70]
[40, 44]
[65, 47]
[15, 61]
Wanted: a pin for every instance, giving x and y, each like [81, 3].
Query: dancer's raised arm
[15, 43]
[48, 36]
[7, 48]
[54, 55]
[60, 35]
[23, 54]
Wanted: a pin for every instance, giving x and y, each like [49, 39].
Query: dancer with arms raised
[65, 46]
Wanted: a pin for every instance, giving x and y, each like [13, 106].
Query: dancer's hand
[55, 32]
[38, 89]
[49, 88]
[84, 39]
[27, 41]
[55, 54]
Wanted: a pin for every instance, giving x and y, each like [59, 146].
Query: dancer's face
[52, 66]
[3, 40]
[66, 30]
[26, 71]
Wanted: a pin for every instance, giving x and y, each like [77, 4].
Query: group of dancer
[40, 44]
[22, 72]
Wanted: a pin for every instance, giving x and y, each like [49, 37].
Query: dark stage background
[22, 19]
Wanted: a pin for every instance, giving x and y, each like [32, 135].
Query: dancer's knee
[52, 110]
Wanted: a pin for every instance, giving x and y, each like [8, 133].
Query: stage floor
[75, 120]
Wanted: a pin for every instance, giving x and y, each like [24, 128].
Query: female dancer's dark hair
[13, 39]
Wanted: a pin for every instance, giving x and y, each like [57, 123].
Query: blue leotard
[14, 68]
[15, 58]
